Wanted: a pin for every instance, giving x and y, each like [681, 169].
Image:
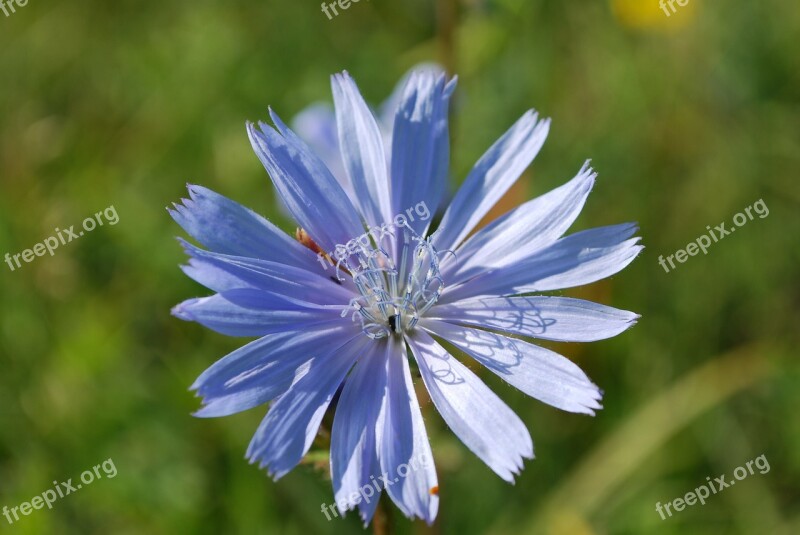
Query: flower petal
[490, 179]
[227, 313]
[362, 151]
[307, 188]
[354, 456]
[265, 368]
[225, 226]
[273, 277]
[211, 276]
[388, 108]
[291, 424]
[316, 125]
[521, 232]
[476, 415]
[580, 258]
[421, 145]
[539, 372]
[549, 318]
[405, 453]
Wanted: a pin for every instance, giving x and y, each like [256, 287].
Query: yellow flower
[660, 15]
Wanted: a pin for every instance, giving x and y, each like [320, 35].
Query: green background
[688, 119]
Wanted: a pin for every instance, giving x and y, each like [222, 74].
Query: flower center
[393, 295]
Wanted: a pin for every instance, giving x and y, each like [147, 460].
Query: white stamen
[392, 300]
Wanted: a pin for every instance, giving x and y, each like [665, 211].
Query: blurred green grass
[687, 121]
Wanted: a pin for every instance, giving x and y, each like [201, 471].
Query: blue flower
[366, 289]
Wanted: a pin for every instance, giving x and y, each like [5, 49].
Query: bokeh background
[688, 119]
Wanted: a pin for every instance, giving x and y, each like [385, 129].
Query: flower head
[365, 288]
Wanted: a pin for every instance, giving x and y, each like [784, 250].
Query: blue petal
[354, 458]
[490, 179]
[578, 259]
[539, 372]
[227, 227]
[211, 276]
[288, 430]
[258, 299]
[316, 125]
[233, 313]
[476, 415]
[521, 232]
[388, 108]
[274, 277]
[362, 151]
[549, 318]
[420, 145]
[307, 188]
[403, 443]
[265, 368]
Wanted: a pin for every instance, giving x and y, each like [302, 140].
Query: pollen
[307, 241]
[302, 236]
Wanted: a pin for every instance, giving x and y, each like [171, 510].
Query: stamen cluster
[393, 296]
